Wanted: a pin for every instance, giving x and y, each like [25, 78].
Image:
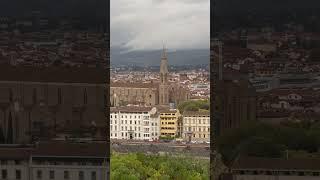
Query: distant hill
[120, 56]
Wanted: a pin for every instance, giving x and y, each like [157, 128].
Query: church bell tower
[164, 83]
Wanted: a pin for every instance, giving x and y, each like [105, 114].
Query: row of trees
[137, 166]
[265, 140]
[194, 105]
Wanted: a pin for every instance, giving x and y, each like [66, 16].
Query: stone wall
[171, 149]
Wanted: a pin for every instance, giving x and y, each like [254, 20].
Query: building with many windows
[169, 119]
[54, 161]
[235, 103]
[196, 126]
[134, 122]
[253, 168]
[41, 102]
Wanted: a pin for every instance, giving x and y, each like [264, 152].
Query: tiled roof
[130, 109]
[134, 85]
[65, 149]
[52, 74]
[14, 153]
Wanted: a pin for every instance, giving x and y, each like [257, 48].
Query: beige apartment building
[169, 122]
[196, 126]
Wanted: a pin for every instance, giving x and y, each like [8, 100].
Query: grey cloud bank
[147, 24]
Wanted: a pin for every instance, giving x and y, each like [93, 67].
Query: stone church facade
[149, 94]
[43, 102]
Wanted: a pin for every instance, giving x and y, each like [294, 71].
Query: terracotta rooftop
[134, 85]
[52, 74]
[58, 149]
[130, 109]
[64, 149]
[15, 153]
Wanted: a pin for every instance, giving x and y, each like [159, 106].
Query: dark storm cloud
[147, 24]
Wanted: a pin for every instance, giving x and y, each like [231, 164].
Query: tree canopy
[264, 140]
[137, 166]
[194, 105]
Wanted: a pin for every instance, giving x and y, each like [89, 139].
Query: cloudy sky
[147, 24]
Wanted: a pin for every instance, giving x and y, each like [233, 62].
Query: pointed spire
[164, 53]
[164, 62]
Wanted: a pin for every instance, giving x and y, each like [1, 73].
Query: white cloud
[146, 24]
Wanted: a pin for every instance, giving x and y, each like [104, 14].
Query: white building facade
[135, 123]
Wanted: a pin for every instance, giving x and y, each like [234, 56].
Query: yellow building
[169, 122]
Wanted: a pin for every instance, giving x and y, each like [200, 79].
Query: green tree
[154, 167]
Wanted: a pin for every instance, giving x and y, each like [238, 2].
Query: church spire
[164, 53]
[164, 83]
[164, 62]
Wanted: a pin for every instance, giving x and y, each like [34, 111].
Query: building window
[39, 174]
[59, 96]
[34, 96]
[4, 162]
[93, 175]
[4, 174]
[17, 162]
[51, 175]
[10, 96]
[18, 174]
[81, 175]
[66, 175]
[85, 97]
